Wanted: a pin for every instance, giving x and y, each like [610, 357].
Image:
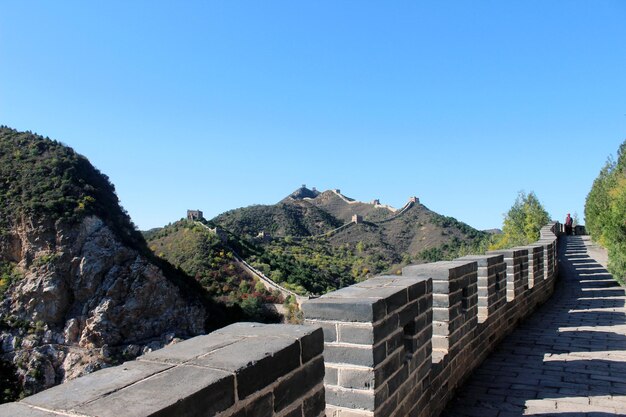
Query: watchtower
[357, 218]
[194, 215]
[264, 236]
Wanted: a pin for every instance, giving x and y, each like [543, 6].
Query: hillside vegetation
[43, 178]
[201, 254]
[605, 212]
[282, 219]
[307, 253]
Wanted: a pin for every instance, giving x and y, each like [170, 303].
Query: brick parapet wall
[491, 283]
[243, 370]
[474, 302]
[377, 343]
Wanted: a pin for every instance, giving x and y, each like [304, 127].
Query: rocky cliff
[79, 288]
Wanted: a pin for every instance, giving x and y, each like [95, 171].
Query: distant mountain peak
[304, 192]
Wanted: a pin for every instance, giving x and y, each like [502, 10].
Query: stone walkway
[567, 360]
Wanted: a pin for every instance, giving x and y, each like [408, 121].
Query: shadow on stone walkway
[567, 360]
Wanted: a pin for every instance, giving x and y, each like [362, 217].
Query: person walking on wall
[569, 222]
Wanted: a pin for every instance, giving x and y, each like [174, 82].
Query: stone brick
[355, 399]
[312, 345]
[415, 286]
[191, 348]
[331, 376]
[93, 386]
[315, 404]
[256, 362]
[441, 271]
[260, 407]
[388, 368]
[23, 410]
[343, 309]
[359, 334]
[408, 313]
[395, 381]
[295, 386]
[394, 342]
[329, 329]
[357, 378]
[355, 355]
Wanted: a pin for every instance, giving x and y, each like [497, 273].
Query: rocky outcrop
[85, 300]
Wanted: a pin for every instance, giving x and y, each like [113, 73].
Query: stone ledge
[247, 369]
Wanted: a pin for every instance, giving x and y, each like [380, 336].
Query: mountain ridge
[312, 245]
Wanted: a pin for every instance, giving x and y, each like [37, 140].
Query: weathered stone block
[408, 313]
[395, 341]
[183, 390]
[315, 404]
[93, 386]
[441, 271]
[256, 362]
[345, 309]
[23, 410]
[329, 329]
[414, 286]
[355, 399]
[396, 380]
[260, 407]
[363, 379]
[191, 348]
[355, 354]
[361, 334]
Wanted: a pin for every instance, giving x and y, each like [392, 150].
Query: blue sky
[219, 105]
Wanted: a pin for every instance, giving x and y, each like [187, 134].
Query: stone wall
[401, 345]
[243, 370]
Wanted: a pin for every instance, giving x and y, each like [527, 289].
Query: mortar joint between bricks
[364, 324]
[347, 366]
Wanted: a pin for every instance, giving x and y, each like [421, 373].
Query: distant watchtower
[194, 215]
[264, 236]
[356, 218]
[414, 200]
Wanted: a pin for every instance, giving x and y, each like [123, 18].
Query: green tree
[605, 212]
[522, 222]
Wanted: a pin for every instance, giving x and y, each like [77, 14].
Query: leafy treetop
[522, 222]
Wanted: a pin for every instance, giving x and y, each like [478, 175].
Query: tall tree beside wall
[522, 222]
[605, 212]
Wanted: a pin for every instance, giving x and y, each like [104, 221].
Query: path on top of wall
[568, 359]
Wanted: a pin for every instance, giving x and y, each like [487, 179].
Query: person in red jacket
[569, 222]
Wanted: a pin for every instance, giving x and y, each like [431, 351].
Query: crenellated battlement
[401, 345]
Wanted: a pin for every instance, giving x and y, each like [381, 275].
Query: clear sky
[218, 105]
